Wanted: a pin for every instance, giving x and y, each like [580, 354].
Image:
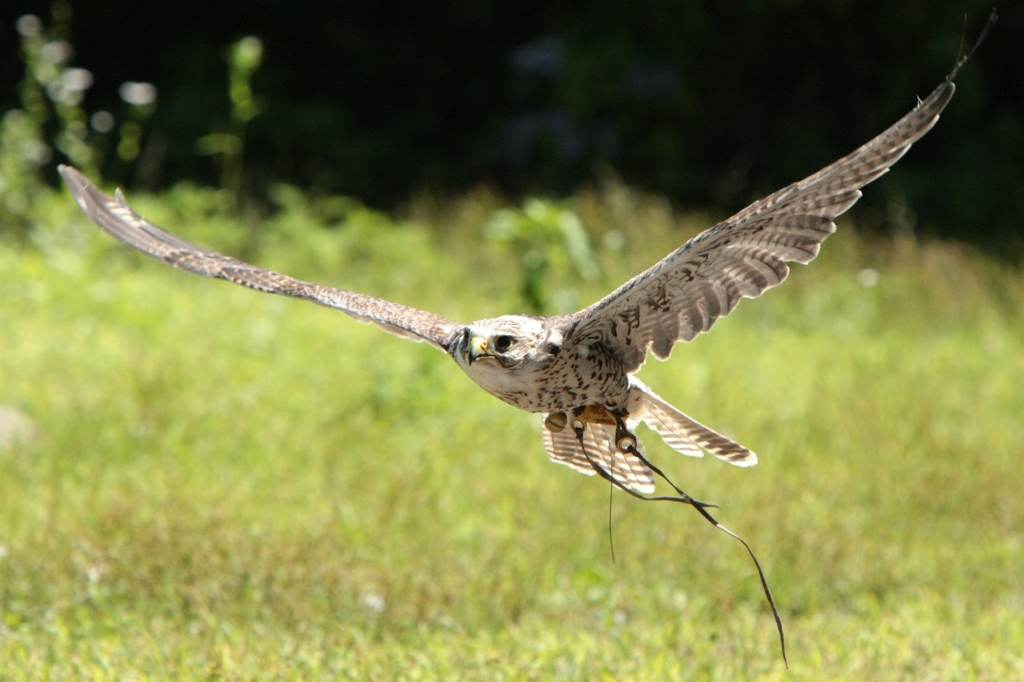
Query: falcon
[577, 371]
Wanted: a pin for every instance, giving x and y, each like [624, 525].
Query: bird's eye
[503, 343]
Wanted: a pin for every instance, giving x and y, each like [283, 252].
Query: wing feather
[116, 217]
[742, 257]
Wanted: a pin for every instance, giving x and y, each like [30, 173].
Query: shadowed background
[708, 103]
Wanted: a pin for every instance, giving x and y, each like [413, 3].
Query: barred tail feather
[682, 434]
[599, 440]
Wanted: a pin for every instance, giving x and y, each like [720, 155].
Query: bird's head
[506, 342]
[493, 352]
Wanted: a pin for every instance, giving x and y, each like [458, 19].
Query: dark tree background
[711, 103]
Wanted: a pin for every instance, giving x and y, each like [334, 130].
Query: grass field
[219, 484]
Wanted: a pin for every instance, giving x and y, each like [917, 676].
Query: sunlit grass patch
[223, 483]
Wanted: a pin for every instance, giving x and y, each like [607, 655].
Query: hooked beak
[478, 349]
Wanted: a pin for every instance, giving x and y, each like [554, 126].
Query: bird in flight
[577, 371]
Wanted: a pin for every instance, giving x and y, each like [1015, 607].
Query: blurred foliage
[50, 94]
[244, 59]
[545, 235]
[21, 153]
[52, 88]
[52, 115]
[710, 103]
[141, 101]
[204, 482]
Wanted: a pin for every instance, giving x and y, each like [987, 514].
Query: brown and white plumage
[581, 364]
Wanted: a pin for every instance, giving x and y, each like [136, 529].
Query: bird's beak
[478, 349]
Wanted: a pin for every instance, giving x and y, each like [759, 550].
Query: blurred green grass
[227, 485]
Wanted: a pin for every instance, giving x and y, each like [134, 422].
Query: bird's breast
[572, 380]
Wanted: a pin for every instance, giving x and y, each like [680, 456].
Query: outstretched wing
[682, 295]
[116, 217]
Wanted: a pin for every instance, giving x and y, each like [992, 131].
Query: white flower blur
[137, 94]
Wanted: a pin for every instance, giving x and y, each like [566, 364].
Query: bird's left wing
[116, 217]
[682, 295]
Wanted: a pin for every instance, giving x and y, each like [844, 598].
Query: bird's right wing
[116, 217]
[686, 292]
